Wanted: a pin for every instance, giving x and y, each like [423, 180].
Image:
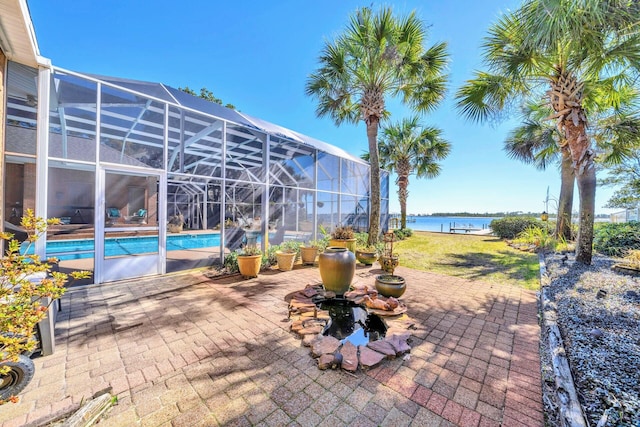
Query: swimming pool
[84, 248]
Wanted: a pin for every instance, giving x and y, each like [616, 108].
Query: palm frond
[485, 96]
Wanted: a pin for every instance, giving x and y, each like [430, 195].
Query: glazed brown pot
[390, 285]
[337, 268]
[366, 257]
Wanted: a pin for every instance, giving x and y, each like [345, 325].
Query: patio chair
[140, 216]
[113, 216]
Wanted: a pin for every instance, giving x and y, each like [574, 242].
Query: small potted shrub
[287, 255]
[175, 223]
[249, 261]
[343, 237]
[310, 250]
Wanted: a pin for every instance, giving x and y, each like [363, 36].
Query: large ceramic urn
[337, 268]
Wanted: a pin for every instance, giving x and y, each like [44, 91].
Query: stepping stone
[369, 358]
[349, 357]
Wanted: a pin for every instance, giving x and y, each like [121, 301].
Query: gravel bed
[599, 318]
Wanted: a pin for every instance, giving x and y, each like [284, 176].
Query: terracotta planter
[285, 260]
[337, 268]
[366, 257]
[308, 254]
[390, 285]
[249, 265]
[344, 243]
[388, 263]
[173, 228]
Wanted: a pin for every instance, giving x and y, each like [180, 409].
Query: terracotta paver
[185, 349]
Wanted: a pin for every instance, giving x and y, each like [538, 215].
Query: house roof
[17, 36]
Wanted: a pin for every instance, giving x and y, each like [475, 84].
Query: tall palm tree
[573, 53]
[407, 148]
[540, 143]
[377, 56]
[616, 134]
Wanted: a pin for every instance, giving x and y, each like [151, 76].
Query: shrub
[291, 246]
[22, 301]
[617, 239]
[509, 227]
[343, 233]
[539, 238]
[403, 233]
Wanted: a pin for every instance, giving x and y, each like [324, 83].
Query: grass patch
[485, 258]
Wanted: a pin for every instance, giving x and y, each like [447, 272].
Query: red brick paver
[188, 350]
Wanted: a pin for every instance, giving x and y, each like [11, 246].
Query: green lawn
[484, 258]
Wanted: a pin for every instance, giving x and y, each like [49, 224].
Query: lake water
[443, 223]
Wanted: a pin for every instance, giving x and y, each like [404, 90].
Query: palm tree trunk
[403, 182]
[374, 173]
[565, 202]
[585, 173]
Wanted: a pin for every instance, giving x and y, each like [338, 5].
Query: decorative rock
[399, 343]
[369, 358]
[326, 361]
[309, 291]
[349, 354]
[308, 340]
[325, 345]
[311, 330]
[297, 325]
[596, 333]
[384, 347]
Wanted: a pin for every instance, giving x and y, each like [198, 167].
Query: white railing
[626, 215]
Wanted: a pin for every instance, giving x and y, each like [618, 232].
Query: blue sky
[257, 55]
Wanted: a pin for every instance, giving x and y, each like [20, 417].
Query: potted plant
[310, 250]
[344, 237]
[249, 261]
[175, 224]
[367, 255]
[390, 285]
[287, 255]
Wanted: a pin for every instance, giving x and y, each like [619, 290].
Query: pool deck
[189, 350]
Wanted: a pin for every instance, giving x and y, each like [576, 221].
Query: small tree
[22, 301]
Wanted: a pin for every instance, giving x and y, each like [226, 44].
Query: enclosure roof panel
[176, 96]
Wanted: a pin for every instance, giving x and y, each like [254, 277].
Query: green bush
[403, 233]
[509, 227]
[617, 239]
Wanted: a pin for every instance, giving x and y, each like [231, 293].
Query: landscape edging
[571, 413]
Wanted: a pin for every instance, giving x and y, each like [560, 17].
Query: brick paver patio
[186, 350]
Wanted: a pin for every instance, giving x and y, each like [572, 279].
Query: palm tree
[539, 143]
[377, 56]
[575, 54]
[406, 148]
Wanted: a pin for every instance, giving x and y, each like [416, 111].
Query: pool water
[84, 248]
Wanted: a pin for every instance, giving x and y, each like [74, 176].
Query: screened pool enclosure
[119, 160]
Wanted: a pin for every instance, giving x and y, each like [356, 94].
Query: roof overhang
[17, 36]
